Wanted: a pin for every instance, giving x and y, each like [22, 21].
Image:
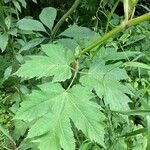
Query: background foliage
[51, 97]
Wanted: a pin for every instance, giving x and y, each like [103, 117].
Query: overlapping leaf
[30, 25]
[81, 35]
[52, 107]
[110, 53]
[48, 16]
[56, 64]
[104, 79]
[31, 44]
[3, 41]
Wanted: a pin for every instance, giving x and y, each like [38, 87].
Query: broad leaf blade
[57, 52]
[57, 126]
[17, 5]
[104, 79]
[32, 106]
[56, 64]
[81, 35]
[48, 16]
[49, 141]
[86, 114]
[69, 43]
[23, 3]
[53, 122]
[3, 41]
[110, 53]
[31, 44]
[30, 25]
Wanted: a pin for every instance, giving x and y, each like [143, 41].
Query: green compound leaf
[56, 64]
[104, 79]
[52, 124]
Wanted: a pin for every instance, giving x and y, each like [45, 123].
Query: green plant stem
[132, 112]
[114, 31]
[74, 76]
[111, 13]
[66, 15]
